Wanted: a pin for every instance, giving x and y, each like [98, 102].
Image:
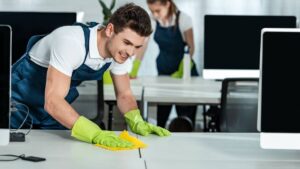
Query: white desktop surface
[165, 89]
[89, 88]
[220, 164]
[214, 150]
[63, 151]
[181, 95]
[169, 81]
[109, 92]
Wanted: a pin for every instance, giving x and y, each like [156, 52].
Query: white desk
[89, 88]
[206, 91]
[181, 150]
[214, 151]
[63, 151]
[88, 91]
[164, 89]
[181, 95]
[167, 81]
[168, 90]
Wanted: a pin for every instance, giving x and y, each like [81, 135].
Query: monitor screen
[5, 62]
[279, 82]
[232, 43]
[278, 114]
[26, 24]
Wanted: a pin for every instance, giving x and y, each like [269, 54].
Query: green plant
[107, 12]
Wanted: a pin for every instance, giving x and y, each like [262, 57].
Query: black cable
[30, 126]
[22, 156]
[16, 157]
[14, 104]
[26, 112]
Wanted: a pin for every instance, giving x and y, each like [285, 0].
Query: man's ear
[109, 30]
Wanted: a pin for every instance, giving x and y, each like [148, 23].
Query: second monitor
[232, 43]
[278, 113]
[26, 24]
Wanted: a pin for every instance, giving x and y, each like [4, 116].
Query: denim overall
[29, 80]
[171, 51]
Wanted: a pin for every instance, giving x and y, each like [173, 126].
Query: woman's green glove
[107, 78]
[135, 68]
[139, 126]
[179, 72]
[87, 131]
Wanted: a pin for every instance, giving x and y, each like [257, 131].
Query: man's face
[124, 44]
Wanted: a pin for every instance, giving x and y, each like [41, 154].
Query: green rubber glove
[87, 131]
[107, 78]
[135, 68]
[139, 126]
[179, 72]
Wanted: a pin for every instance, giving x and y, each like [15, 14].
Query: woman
[173, 31]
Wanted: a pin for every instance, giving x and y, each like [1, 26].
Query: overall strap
[86, 31]
[177, 20]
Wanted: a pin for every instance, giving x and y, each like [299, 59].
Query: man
[46, 77]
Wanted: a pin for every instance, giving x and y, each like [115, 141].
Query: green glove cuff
[85, 130]
[179, 72]
[107, 78]
[176, 74]
[133, 116]
[135, 68]
[138, 125]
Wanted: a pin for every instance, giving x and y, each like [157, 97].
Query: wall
[195, 8]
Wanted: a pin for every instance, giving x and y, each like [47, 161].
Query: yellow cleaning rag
[125, 135]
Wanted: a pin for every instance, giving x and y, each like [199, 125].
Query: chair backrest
[239, 101]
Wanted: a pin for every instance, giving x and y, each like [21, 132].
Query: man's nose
[131, 51]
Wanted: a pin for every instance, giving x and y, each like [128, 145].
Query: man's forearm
[62, 111]
[126, 103]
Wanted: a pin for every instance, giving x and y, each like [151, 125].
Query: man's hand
[87, 131]
[139, 126]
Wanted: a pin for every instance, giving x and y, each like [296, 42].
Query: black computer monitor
[278, 111]
[26, 24]
[232, 43]
[5, 66]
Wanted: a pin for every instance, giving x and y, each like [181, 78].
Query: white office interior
[245, 94]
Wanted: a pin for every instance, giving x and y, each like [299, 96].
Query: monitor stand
[4, 137]
[280, 141]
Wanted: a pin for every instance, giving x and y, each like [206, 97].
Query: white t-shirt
[64, 49]
[184, 22]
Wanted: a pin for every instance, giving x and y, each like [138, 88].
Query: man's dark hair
[133, 17]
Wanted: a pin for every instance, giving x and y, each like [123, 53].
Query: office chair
[181, 124]
[238, 108]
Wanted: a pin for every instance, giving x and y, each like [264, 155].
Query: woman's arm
[189, 37]
[138, 59]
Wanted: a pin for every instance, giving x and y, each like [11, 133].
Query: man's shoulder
[68, 31]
